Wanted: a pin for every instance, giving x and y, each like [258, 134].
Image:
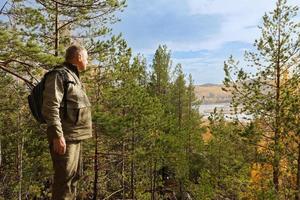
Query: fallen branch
[113, 194]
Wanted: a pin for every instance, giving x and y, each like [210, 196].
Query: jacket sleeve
[52, 98]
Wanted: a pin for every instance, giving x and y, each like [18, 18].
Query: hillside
[212, 93]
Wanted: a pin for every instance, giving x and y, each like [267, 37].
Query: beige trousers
[67, 171]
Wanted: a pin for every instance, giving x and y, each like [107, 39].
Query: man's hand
[59, 145]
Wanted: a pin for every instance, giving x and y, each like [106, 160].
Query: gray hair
[73, 51]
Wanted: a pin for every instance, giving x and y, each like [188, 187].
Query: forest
[149, 139]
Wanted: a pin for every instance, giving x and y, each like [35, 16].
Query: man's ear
[79, 57]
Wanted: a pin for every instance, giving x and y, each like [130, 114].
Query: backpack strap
[63, 72]
[66, 86]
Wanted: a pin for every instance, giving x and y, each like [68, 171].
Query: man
[67, 128]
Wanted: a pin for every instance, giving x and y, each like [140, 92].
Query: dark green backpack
[35, 99]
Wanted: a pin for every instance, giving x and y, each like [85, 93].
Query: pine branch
[3, 67]
[86, 18]
[94, 4]
[3, 7]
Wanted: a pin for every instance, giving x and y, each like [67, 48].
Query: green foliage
[147, 128]
[268, 93]
[136, 118]
[227, 160]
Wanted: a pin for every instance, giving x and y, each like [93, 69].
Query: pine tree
[44, 29]
[33, 38]
[261, 93]
[226, 161]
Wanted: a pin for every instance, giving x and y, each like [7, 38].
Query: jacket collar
[72, 67]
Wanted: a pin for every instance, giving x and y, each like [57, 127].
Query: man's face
[82, 60]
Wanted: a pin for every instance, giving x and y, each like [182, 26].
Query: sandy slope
[212, 94]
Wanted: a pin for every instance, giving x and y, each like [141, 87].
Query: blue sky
[201, 34]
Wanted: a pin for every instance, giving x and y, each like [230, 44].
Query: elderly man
[68, 123]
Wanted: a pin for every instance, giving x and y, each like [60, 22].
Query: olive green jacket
[77, 124]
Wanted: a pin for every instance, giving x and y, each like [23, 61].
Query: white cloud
[238, 17]
[228, 7]
[237, 20]
[205, 69]
[221, 26]
[240, 21]
[193, 62]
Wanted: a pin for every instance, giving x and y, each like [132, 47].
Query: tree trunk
[297, 195]
[151, 178]
[132, 162]
[20, 157]
[96, 165]
[276, 163]
[179, 110]
[123, 169]
[219, 166]
[276, 160]
[56, 29]
[0, 154]
[21, 167]
[188, 149]
[154, 181]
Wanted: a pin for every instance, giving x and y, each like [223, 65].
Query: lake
[207, 109]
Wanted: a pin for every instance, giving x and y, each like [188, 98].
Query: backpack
[35, 99]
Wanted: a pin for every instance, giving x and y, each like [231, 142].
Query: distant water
[207, 109]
